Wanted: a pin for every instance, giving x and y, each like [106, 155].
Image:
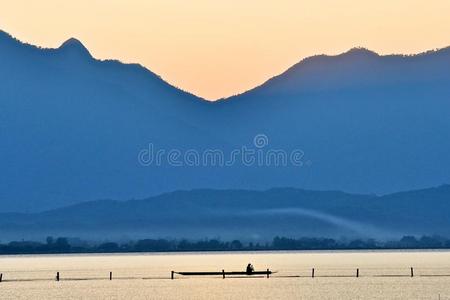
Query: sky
[215, 48]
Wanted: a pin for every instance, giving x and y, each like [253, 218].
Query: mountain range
[243, 214]
[72, 127]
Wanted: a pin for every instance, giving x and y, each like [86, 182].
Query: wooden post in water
[172, 275]
[357, 272]
[57, 276]
[268, 273]
[223, 274]
[412, 272]
[110, 275]
[312, 273]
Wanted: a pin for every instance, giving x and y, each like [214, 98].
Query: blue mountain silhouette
[243, 214]
[72, 126]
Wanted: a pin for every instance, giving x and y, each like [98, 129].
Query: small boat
[226, 273]
[223, 273]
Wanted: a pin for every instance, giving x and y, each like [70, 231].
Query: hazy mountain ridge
[317, 65]
[244, 214]
[71, 126]
[72, 46]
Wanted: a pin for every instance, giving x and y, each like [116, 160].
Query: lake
[382, 275]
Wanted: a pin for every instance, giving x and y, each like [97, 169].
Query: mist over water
[362, 229]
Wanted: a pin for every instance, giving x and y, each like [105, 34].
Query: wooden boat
[226, 273]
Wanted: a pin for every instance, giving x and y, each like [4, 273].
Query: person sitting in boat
[250, 269]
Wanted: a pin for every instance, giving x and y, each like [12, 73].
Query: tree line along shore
[74, 245]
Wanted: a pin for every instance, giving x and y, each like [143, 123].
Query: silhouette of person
[250, 269]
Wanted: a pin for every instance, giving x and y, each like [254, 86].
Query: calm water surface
[383, 275]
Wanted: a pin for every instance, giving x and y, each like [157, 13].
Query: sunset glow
[216, 49]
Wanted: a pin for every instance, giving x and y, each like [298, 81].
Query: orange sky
[216, 48]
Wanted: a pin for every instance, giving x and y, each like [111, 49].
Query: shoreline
[237, 252]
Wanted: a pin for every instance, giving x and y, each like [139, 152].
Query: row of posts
[357, 272]
[57, 276]
[223, 274]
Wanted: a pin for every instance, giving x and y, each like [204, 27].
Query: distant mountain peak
[361, 50]
[74, 46]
